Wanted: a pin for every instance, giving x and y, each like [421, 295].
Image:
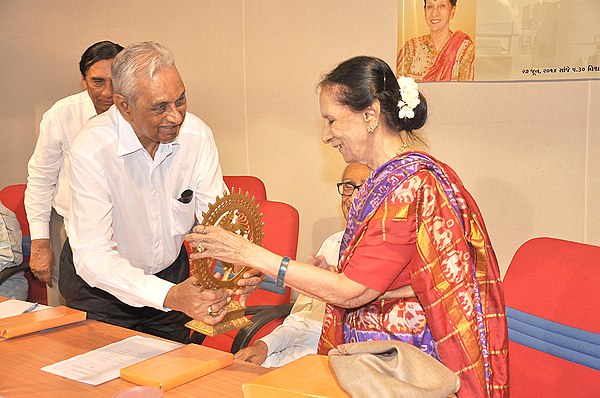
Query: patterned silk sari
[454, 274]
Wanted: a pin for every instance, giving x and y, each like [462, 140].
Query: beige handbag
[387, 369]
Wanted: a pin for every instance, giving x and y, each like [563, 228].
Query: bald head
[355, 174]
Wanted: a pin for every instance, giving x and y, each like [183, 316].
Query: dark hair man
[47, 194]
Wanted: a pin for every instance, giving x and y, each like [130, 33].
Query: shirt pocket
[182, 217]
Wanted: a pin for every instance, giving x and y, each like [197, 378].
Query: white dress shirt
[125, 222]
[299, 333]
[47, 180]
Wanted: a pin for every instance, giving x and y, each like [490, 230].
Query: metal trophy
[237, 213]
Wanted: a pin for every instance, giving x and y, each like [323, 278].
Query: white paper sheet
[15, 307]
[103, 364]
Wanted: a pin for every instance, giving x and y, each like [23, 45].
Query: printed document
[103, 364]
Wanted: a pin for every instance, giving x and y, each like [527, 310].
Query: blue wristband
[282, 270]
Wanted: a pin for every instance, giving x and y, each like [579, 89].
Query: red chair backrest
[558, 281]
[253, 185]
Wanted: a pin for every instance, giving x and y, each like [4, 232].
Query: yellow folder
[177, 367]
[35, 321]
[309, 376]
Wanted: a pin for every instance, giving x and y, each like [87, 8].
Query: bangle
[282, 270]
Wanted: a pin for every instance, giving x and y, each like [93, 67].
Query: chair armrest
[10, 271]
[255, 309]
[263, 314]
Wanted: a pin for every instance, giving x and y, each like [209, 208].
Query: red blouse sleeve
[381, 258]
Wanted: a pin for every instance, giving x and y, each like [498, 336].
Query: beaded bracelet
[282, 270]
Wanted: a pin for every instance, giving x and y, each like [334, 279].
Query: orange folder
[309, 376]
[177, 367]
[39, 320]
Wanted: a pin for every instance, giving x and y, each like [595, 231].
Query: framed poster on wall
[489, 40]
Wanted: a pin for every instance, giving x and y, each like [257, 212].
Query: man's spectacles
[347, 188]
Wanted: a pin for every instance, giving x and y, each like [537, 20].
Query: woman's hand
[215, 242]
[250, 281]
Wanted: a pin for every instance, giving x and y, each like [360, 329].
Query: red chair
[253, 185]
[552, 291]
[281, 228]
[12, 196]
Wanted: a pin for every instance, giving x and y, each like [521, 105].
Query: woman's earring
[371, 128]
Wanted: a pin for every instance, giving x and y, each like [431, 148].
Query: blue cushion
[566, 342]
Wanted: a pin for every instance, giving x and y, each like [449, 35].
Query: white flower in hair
[409, 97]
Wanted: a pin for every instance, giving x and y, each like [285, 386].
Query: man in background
[47, 194]
[299, 334]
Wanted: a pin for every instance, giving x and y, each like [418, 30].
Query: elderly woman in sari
[416, 264]
[440, 55]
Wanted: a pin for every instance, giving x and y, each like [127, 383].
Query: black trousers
[103, 306]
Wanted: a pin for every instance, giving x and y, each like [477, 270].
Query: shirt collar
[128, 142]
[89, 110]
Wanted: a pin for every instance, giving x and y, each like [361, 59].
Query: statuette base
[234, 320]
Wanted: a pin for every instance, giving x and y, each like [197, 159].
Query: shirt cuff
[155, 293]
[39, 230]
[271, 344]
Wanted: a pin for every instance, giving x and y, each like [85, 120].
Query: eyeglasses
[347, 188]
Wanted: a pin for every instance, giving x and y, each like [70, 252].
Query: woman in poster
[441, 54]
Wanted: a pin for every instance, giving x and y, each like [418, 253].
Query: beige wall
[528, 152]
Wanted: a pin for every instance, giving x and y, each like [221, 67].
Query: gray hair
[142, 59]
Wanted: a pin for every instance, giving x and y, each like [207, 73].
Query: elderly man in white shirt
[47, 194]
[299, 334]
[139, 173]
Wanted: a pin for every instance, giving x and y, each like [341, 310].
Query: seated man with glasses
[347, 188]
[299, 334]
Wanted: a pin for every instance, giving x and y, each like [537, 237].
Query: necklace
[432, 50]
[402, 149]
[430, 47]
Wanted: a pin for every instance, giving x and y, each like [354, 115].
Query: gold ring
[216, 314]
[200, 248]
